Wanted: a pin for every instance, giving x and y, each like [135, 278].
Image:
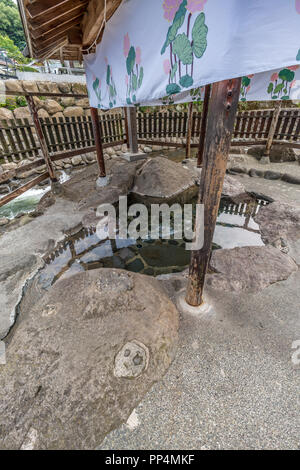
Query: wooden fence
[250, 126]
[18, 138]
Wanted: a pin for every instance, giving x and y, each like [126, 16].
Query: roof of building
[61, 29]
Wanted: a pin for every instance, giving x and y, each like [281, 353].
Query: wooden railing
[67, 137]
[250, 126]
[18, 138]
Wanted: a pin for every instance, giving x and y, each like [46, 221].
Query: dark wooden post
[41, 137]
[220, 121]
[276, 112]
[132, 129]
[203, 125]
[189, 131]
[98, 141]
[126, 127]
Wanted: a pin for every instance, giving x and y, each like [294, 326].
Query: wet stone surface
[85, 251]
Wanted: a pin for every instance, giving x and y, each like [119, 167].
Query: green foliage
[25, 68]
[279, 87]
[173, 88]
[199, 35]
[298, 55]
[287, 75]
[177, 23]
[186, 81]
[12, 50]
[183, 49]
[174, 70]
[130, 60]
[270, 87]
[141, 77]
[14, 102]
[134, 82]
[10, 23]
[108, 75]
[246, 82]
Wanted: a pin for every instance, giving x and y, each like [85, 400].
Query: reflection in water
[85, 251]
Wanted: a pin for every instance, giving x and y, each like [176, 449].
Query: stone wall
[47, 107]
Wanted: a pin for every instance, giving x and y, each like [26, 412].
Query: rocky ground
[232, 384]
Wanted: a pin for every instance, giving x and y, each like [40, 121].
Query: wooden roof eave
[76, 23]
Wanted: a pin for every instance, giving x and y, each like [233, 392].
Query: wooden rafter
[94, 16]
[72, 22]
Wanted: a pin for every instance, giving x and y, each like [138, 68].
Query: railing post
[203, 125]
[126, 127]
[42, 141]
[220, 121]
[189, 131]
[266, 158]
[98, 141]
[132, 129]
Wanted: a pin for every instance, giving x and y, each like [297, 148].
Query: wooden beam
[56, 28]
[11, 196]
[94, 16]
[203, 125]
[41, 137]
[67, 8]
[98, 141]
[276, 113]
[39, 8]
[73, 36]
[132, 129]
[49, 51]
[189, 131]
[220, 122]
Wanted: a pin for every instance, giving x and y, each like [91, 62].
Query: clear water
[85, 251]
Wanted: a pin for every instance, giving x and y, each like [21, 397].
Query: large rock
[67, 101]
[249, 268]
[64, 87]
[232, 187]
[6, 114]
[79, 89]
[73, 111]
[43, 114]
[278, 153]
[161, 180]
[83, 103]
[82, 358]
[22, 113]
[13, 85]
[279, 224]
[30, 86]
[52, 106]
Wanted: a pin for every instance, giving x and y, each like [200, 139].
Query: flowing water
[27, 202]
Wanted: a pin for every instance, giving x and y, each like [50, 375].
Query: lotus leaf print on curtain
[135, 72]
[184, 43]
[282, 82]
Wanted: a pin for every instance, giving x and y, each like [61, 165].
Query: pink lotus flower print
[274, 77]
[126, 44]
[293, 67]
[138, 56]
[167, 66]
[170, 8]
[195, 5]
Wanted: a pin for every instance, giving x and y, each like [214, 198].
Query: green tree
[12, 50]
[10, 23]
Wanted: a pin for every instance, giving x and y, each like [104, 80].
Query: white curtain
[165, 51]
